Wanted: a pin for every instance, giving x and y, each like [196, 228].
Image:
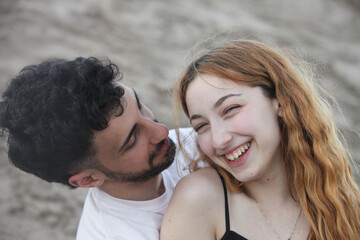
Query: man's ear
[87, 178]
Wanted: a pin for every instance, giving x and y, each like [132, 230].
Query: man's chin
[151, 173]
[168, 159]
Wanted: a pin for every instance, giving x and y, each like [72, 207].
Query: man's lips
[164, 148]
[160, 149]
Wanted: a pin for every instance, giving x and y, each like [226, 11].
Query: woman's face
[237, 126]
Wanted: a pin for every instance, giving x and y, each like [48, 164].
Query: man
[74, 123]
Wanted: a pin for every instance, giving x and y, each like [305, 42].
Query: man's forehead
[120, 84]
[127, 94]
[128, 90]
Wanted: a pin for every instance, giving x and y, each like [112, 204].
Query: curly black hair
[50, 111]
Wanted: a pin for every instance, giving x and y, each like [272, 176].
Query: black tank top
[228, 235]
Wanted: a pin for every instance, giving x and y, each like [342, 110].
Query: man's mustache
[155, 152]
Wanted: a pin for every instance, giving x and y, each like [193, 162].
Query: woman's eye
[229, 109]
[199, 127]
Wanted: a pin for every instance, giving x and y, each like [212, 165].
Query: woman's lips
[238, 155]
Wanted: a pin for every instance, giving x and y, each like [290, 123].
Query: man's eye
[133, 144]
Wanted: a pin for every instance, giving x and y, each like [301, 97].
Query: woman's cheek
[205, 144]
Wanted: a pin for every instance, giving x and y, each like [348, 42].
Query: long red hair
[317, 163]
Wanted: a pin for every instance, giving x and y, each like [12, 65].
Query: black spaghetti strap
[227, 218]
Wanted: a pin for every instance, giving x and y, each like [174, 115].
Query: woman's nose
[220, 137]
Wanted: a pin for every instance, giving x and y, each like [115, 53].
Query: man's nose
[157, 131]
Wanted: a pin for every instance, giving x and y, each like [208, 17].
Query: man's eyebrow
[128, 138]
[137, 99]
[222, 99]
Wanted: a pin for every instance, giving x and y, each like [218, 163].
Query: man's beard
[146, 174]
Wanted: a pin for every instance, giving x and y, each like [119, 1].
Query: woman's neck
[272, 189]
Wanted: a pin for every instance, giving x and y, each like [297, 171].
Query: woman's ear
[280, 114]
[87, 178]
[277, 107]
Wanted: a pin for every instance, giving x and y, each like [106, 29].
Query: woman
[279, 167]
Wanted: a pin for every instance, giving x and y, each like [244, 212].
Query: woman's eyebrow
[222, 99]
[216, 105]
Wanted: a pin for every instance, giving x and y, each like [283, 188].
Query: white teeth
[238, 153]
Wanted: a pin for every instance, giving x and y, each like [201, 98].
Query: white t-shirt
[107, 217]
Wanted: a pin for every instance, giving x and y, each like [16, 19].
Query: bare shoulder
[203, 183]
[193, 204]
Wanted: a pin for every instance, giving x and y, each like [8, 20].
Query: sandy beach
[151, 41]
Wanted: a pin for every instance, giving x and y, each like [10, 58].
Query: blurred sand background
[148, 40]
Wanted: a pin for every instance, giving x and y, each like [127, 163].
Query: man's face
[134, 147]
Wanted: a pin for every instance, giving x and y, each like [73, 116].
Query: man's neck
[135, 191]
